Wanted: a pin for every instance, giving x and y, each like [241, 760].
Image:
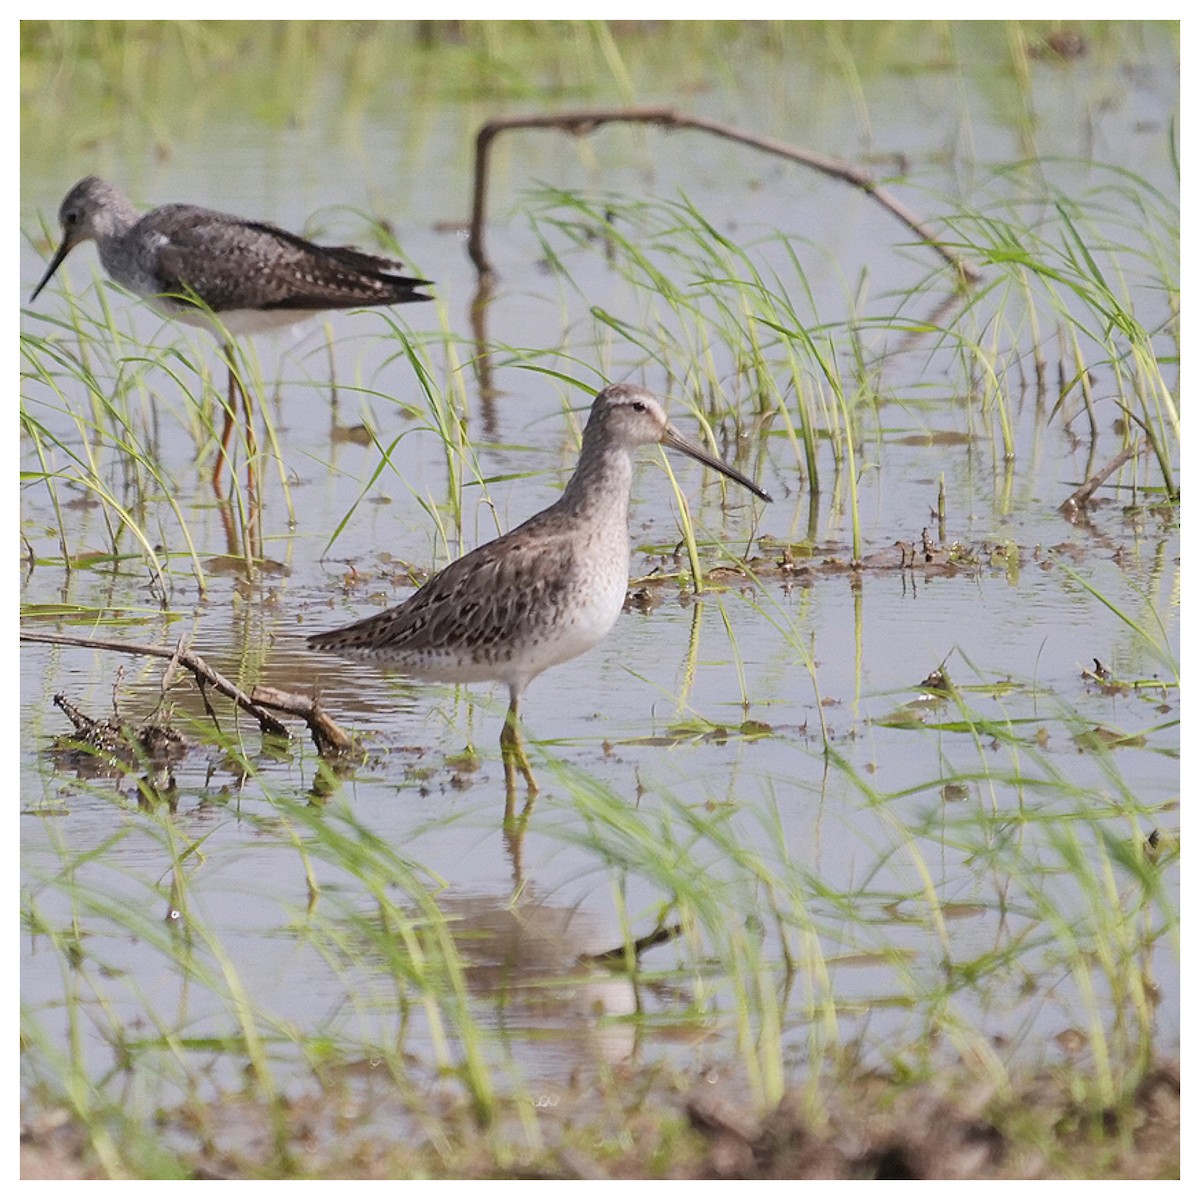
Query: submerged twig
[331, 740]
[587, 120]
[1081, 495]
[204, 674]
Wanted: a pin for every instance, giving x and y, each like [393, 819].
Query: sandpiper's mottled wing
[479, 608]
[228, 264]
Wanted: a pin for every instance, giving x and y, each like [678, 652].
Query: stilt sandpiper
[542, 593]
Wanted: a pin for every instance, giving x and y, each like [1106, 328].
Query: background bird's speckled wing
[484, 599]
[215, 257]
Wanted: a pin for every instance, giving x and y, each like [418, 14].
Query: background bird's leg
[233, 540]
[236, 391]
[253, 495]
[230, 410]
[246, 538]
[251, 439]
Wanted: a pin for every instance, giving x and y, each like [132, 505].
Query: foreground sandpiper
[544, 592]
[210, 269]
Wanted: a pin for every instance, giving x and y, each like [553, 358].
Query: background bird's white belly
[236, 321]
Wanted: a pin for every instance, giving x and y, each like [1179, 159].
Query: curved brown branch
[204, 674]
[585, 121]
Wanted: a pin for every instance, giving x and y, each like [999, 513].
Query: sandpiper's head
[628, 415]
[92, 209]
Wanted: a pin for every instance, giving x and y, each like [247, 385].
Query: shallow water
[1015, 632]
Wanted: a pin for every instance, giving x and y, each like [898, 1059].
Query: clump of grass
[742, 316]
[95, 426]
[1102, 266]
[85, 462]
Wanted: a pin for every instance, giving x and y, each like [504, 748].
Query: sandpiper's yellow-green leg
[513, 752]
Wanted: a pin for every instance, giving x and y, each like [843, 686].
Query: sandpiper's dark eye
[638, 406]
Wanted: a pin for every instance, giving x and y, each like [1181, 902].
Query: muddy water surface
[707, 705]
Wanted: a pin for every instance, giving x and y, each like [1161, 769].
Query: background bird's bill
[55, 263]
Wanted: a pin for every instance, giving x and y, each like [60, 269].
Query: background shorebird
[232, 276]
[543, 592]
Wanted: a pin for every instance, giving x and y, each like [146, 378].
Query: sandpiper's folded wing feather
[476, 606]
